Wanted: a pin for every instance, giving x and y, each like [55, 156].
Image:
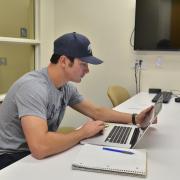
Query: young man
[35, 104]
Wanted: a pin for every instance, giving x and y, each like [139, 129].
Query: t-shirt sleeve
[75, 96]
[31, 99]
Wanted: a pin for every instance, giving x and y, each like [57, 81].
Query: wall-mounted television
[157, 25]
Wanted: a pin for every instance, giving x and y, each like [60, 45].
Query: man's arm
[43, 143]
[106, 114]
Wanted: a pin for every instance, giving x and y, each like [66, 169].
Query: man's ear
[62, 61]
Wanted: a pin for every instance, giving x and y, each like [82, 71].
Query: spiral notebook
[111, 160]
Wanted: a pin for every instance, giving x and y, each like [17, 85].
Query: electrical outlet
[139, 64]
[3, 61]
[23, 32]
[134, 64]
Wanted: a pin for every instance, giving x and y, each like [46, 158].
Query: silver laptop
[124, 135]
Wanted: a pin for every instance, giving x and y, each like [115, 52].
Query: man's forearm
[109, 115]
[54, 142]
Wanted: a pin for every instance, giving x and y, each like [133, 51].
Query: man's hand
[140, 118]
[92, 127]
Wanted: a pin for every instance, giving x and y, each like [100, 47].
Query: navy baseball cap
[77, 46]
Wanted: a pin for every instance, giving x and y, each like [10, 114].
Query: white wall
[108, 24]
[166, 76]
[47, 26]
[103, 21]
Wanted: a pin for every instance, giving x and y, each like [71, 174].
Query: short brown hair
[55, 57]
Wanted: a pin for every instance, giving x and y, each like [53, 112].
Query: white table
[161, 142]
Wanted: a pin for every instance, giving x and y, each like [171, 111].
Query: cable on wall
[131, 38]
[137, 73]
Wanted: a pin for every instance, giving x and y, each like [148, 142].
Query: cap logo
[89, 49]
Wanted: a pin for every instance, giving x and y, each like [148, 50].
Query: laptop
[124, 135]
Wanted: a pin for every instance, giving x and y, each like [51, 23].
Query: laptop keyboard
[119, 135]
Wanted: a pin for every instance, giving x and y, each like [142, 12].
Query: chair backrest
[117, 94]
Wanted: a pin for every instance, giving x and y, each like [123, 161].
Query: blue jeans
[7, 159]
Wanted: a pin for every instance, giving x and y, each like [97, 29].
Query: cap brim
[91, 60]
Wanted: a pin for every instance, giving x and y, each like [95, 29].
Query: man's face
[77, 70]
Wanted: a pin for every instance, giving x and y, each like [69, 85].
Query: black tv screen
[157, 25]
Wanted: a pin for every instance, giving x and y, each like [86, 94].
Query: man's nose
[87, 69]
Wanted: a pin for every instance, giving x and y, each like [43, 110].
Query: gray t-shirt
[33, 94]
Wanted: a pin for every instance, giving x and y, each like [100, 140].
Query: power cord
[140, 68]
[137, 73]
[130, 41]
